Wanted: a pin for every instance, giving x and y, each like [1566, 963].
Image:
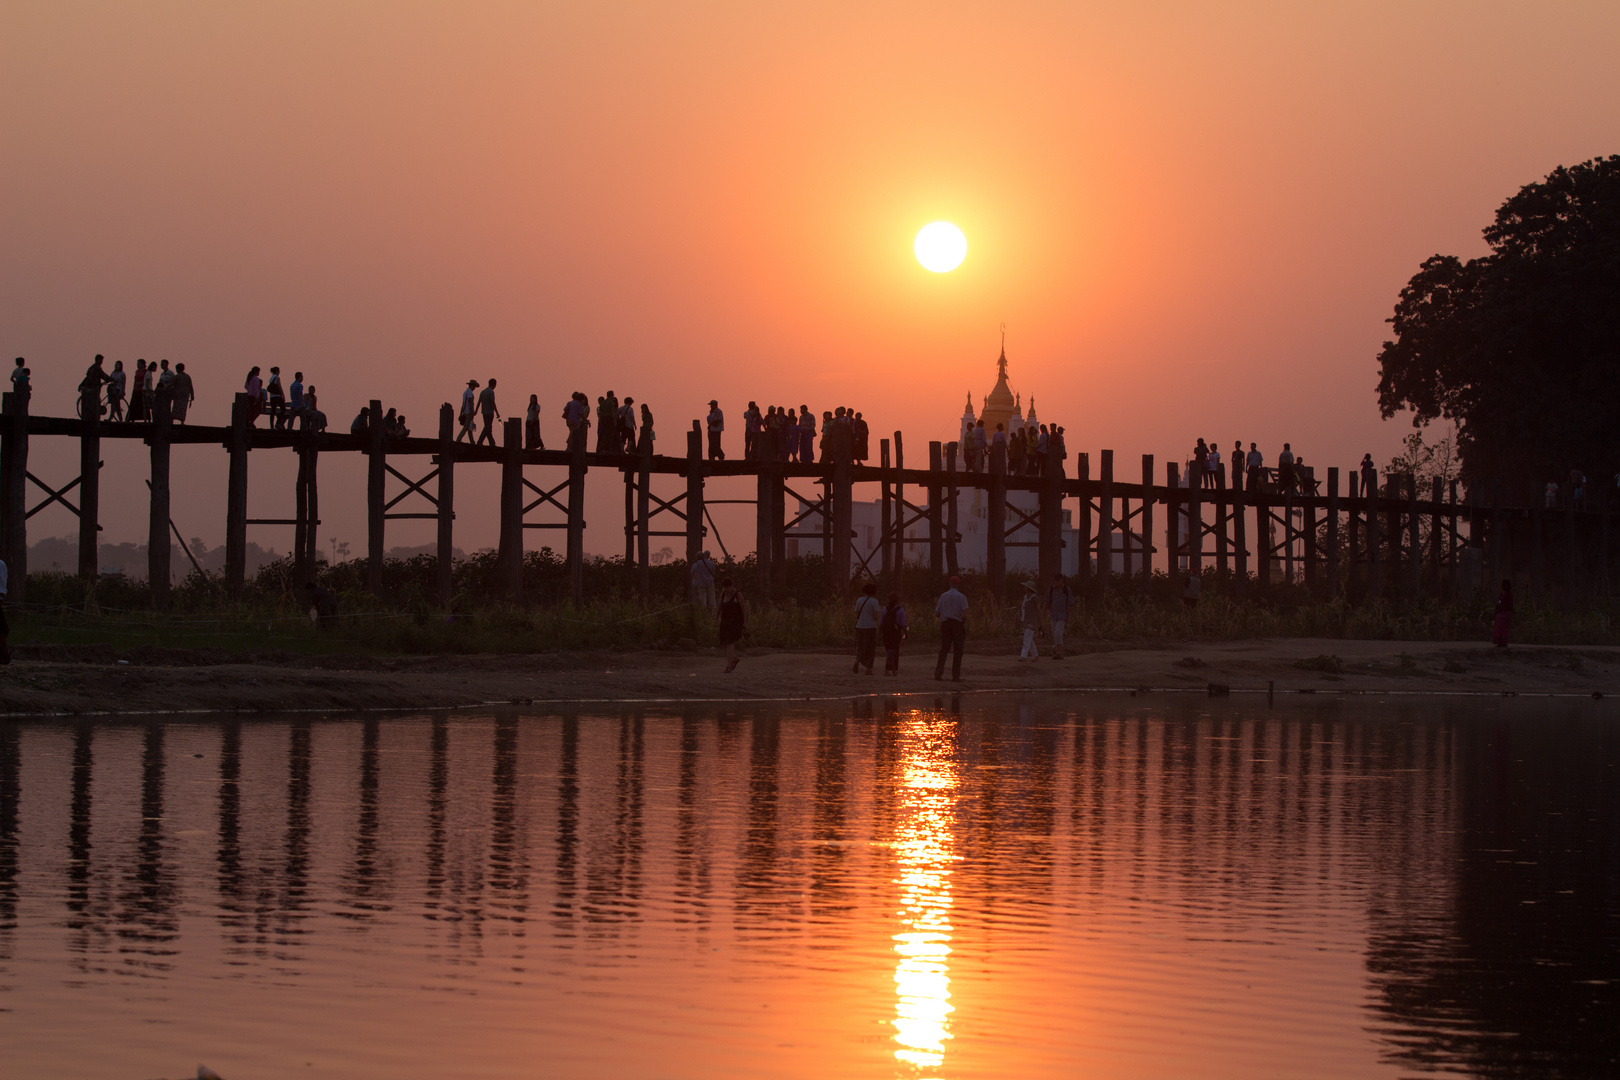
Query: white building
[1000, 406]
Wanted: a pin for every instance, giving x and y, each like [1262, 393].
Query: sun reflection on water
[924, 849]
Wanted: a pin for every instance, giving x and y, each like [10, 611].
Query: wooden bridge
[1361, 543]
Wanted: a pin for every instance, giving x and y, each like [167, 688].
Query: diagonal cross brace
[545, 496]
[54, 495]
[410, 486]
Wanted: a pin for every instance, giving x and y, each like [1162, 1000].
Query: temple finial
[1001, 363]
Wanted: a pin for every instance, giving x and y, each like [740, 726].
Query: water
[998, 887]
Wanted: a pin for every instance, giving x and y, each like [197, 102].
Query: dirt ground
[59, 679]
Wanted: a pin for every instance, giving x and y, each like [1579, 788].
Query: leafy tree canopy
[1521, 348]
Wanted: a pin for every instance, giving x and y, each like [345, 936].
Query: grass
[407, 620]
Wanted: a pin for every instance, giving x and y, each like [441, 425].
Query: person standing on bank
[531, 425]
[867, 613]
[1029, 619]
[486, 405]
[951, 611]
[1058, 599]
[733, 617]
[717, 424]
[703, 580]
[892, 628]
[1503, 624]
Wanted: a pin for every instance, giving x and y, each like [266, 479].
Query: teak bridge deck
[1295, 536]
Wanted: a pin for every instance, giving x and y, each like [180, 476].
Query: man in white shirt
[703, 580]
[952, 612]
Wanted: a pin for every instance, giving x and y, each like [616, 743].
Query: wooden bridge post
[1414, 546]
[1375, 554]
[1333, 531]
[936, 524]
[1572, 547]
[1195, 525]
[1223, 564]
[236, 500]
[1240, 540]
[886, 521]
[1437, 524]
[899, 510]
[995, 524]
[303, 566]
[15, 478]
[1172, 518]
[376, 472]
[1260, 499]
[89, 481]
[694, 494]
[628, 467]
[1289, 534]
[447, 504]
[576, 523]
[1352, 524]
[1309, 550]
[953, 524]
[512, 506]
[1050, 563]
[158, 545]
[841, 522]
[1082, 468]
[764, 505]
[644, 520]
[1147, 518]
[1605, 493]
[1105, 523]
[1538, 554]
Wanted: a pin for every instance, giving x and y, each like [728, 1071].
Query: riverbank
[88, 679]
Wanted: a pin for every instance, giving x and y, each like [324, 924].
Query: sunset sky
[1193, 219]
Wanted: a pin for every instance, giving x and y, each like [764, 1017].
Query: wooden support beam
[512, 506]
[89, 482]
[1414, 546]
[1437, 536]
[1309, 549]
[1223, 564]
[1240, 540]
[900, 510]
[1172, 518]
[1147, 518]
[995, 563]
[576, 523]
[841, 521]
[1082, 468]
[1195, 525]
[694, 494]
[236, 501]
[1572, 551]
[1538, 553]
[936, 524]
[1352, 580]
[953, 523]
[1375, 554]
[376, 477]
[446, 461]
[1605, 496]
[886, 518]
[1050, 552]
[764, 543]
[643, 519]
[158, 548]
[1261, 501]
[1333, 531]
[14, 475]
[1105, 522]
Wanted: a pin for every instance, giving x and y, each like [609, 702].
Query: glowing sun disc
[940, 247]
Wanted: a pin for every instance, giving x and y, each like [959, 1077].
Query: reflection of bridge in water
[1467, 858]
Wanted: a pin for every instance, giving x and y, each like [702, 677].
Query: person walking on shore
[867, 613]
[1502, 626]
[486, 406]
[1058, 599]
[703, 580]
[951, 610]
[892, 628]
[469, 412]
[733, 618]
[1029, 619]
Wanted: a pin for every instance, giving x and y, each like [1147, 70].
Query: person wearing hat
[717, 424]
[703, 572]
[469, 410]
[1029, 617]
[951, 611]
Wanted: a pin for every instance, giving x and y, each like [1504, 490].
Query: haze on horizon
[1194, 222]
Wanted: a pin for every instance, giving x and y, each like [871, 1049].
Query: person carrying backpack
[892, 628]
[867, 610]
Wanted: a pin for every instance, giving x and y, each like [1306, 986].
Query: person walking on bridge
[626, 440]
[486, 406]
[951, 610]
[607, 415]
[181, 393]
[716, 424]
[646, 444]
[469, 411]
[115, 391]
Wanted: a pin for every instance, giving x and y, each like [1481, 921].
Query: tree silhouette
[1521, 347]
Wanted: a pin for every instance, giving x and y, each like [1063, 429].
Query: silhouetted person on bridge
[607, 417]
[469, 411]
[276, 401]
[486, 406]
[115, 391]
[753, 423]
[1286, 478]
[716, 423]
[646, 444]
[625, 439]
[181, 393]
[531, 425]
[1369, 476]
[253, 386]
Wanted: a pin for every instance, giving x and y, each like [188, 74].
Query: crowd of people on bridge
[1031, 449]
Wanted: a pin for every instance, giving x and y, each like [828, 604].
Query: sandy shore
[47, 679]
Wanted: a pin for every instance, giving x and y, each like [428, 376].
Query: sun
[940, 247]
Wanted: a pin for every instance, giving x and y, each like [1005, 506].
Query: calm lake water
[982, 887]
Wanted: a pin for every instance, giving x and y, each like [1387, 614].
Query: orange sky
[1192, 220]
